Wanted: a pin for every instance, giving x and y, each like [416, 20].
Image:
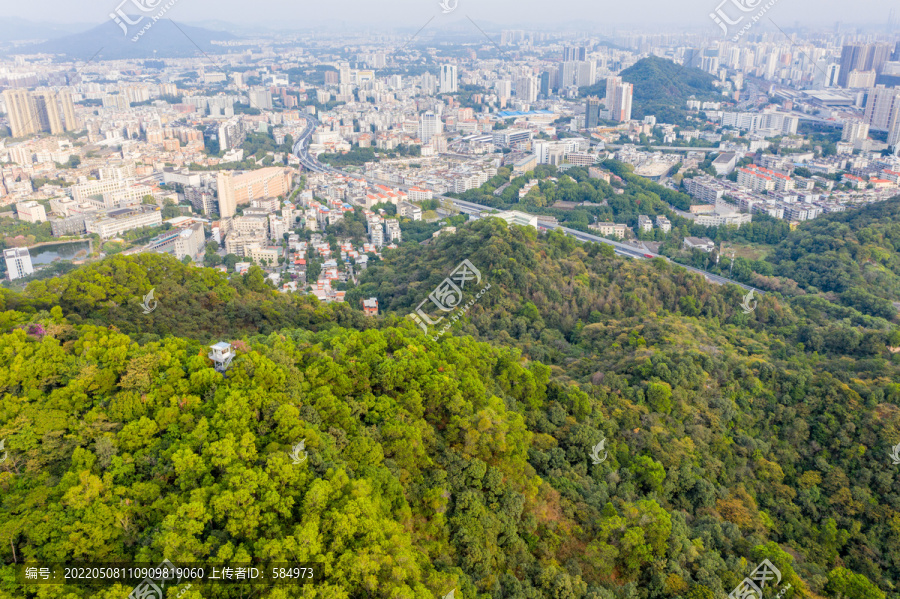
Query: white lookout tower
[222, 354]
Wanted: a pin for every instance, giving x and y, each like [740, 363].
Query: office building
[448, 79]
[618, 99]
[591, 112]
[235, 189]
[18, 263]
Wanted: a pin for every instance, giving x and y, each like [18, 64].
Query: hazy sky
[414, 13]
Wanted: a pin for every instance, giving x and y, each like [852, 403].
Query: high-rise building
[68, 110]
[545, 84]
[503, 88]
[41, 110]
[47, 107]
[23, 119]
[882, 107]
[591, 112]
[883, 112]
[18, 263]
[586, 73]
[618, 99]
[526, 89]
[448, 79]
[567, 73]
[825, 74]
[429, 126]
[855, 131]
[862, 57]
[574, 53]
[234, 189]
[260, 98]
[429, 84]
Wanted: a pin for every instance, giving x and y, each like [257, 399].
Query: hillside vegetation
[662, 88]
[461, 463]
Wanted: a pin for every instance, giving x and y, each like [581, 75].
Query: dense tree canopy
[462, 463]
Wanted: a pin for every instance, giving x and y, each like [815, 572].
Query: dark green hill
[662, 88]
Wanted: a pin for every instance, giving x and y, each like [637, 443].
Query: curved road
[301, 150]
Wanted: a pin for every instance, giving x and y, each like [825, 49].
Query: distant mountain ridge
[16, 29]
[162, 40]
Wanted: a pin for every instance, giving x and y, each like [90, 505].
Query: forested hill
[662, 87]
[198, 303]
[853, 257]
[462, 463]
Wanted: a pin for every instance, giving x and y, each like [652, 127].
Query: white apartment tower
[429, 126]
[448, 79]
[883, 111]
[527, 89]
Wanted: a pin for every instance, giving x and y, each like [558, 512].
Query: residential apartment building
[610, 229]
[619, 99]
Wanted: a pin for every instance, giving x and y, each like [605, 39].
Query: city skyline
[653, 14]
